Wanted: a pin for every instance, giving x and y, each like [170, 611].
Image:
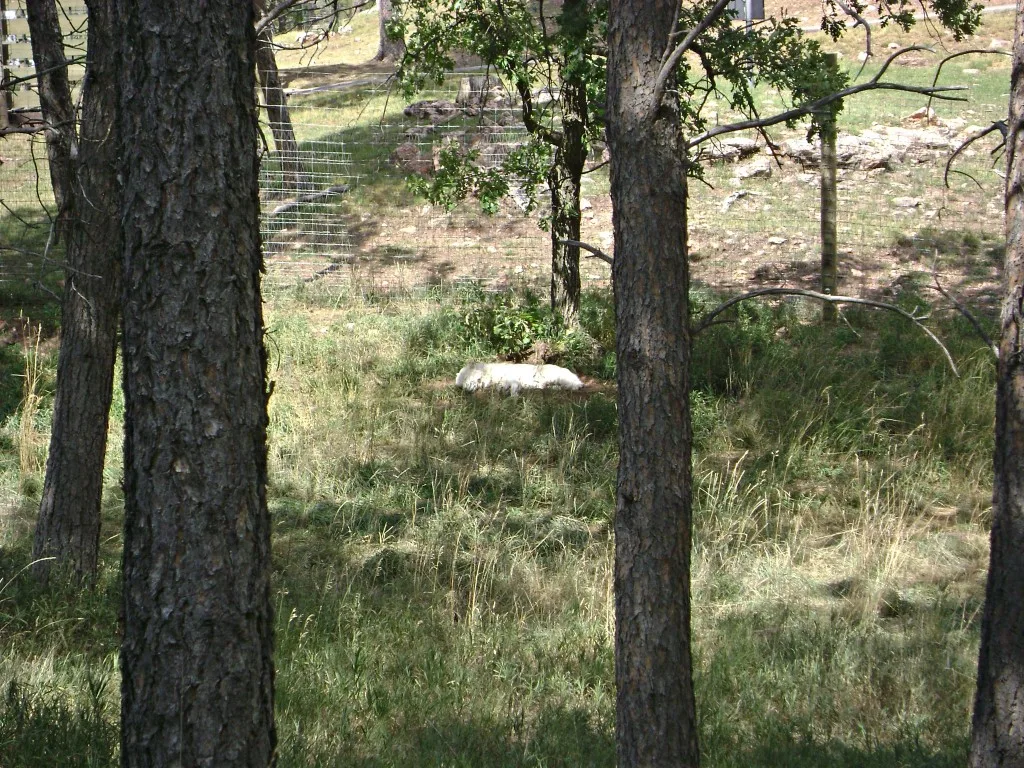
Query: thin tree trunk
[69, 516]
[564, 180]
[998, 727]
[566, 172]
[656, 720]
[197, 674]
[54, 101]
[390, 48]
[293, 173]
[565, 225]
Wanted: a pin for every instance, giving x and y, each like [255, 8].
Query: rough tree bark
[389, 48]
[998, 727]
[54, 101]
[564, 182]
[69, 516]
[292, 171]
[197, 674]
[656, 722]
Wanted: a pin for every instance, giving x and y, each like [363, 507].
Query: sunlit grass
[442, 578]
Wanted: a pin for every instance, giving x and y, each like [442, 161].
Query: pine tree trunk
[998, 727]
[69, 515]
[293, 173]
[390, 48]
[54, 101]
[656, 721]
[197, 674]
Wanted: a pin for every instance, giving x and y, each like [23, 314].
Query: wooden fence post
[5, 94]
[829, 256]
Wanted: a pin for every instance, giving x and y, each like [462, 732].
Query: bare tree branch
[284, 6]
[963, 310]
[271, 16]
[806, 109]
[672, 59]
[309, 197]
[9, 84]
[706, 321]
[552, 137]
[24, 129]
[14, 214]
[596, 252]
[814, 106]
[859, 21]
[999, 125]
[947, 59]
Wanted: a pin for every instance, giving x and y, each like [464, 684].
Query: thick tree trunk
[69, 515]
[564, 179]
[998, 728]
[389, 48]
[54, 101]
[656, 722]
[292, 171]
[197, 674]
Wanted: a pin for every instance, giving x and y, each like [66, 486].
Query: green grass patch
[442, 562]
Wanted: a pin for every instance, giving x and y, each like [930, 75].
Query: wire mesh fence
[337, 207]
[754, 216]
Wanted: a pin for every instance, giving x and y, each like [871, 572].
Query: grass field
[442, 561]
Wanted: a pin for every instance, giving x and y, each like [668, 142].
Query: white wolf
[512, 377]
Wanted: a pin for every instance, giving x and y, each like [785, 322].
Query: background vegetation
[442, 578]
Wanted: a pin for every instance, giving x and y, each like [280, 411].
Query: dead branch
[9, 85]
[595, 252]
[309, 197]
[24, 129]
[271, 16]
[706, 321]
[330, 16]
[335, 267]
[998, 125]
[963, 310]
[858, 21]
[817, 105]
[947, 59]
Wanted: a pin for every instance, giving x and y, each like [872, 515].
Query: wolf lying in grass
[512, 377]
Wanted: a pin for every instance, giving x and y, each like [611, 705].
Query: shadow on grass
[39, 728]
[783, 749]
[28, 282]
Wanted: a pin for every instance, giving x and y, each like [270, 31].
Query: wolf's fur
[512, 377]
